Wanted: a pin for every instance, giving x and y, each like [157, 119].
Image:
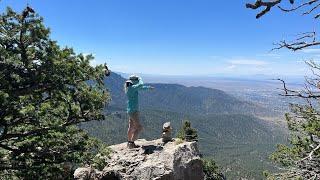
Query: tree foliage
[212, 170]
[45, 91]
[302, 156]
[187, 133]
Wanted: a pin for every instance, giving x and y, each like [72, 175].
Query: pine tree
[45, 91]
[212, 170]
[302, 157]
[187, 132]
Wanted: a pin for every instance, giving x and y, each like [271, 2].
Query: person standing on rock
[132, 87]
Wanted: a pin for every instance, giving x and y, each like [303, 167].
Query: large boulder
[153, 160]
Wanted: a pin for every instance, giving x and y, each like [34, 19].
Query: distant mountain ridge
[182, 99]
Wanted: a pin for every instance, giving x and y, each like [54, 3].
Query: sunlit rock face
[152, 160]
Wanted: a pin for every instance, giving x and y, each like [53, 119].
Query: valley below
[238, 127]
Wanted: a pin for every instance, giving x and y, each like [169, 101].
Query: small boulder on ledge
[166, 132]
[153, 160]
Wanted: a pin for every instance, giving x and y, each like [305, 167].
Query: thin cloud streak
[248, 62]
[311, 51]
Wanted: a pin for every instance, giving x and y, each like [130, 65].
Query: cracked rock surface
[152, 160]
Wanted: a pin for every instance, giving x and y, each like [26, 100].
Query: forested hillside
[239, 141]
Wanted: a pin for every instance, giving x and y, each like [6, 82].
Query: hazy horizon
[260, 77]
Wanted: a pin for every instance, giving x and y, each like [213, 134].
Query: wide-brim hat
[133, 77]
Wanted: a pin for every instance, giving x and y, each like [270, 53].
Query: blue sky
[176, 37]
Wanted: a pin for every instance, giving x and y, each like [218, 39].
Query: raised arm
[140, 85]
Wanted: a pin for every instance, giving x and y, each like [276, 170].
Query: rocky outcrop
[152, 160]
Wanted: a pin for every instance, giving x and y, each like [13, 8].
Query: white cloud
[232, 66]
[315, 51]
[248, 62]
[271, 55]
[246, 66]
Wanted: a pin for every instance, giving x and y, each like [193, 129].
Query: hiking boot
[132, 145]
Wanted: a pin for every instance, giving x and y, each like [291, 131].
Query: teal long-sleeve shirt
[133, 96]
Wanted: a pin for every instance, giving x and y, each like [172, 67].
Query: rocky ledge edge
[175, 160]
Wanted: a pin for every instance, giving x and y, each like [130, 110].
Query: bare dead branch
[266, 4]
[308, 6]
[304, 41]
[307, 167]
[311, 153]
[284, 85]
[298, 7]
[308, 94]
[307, 35]
[312, 9]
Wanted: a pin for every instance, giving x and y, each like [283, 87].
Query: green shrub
[211, 170]
[187, 133]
